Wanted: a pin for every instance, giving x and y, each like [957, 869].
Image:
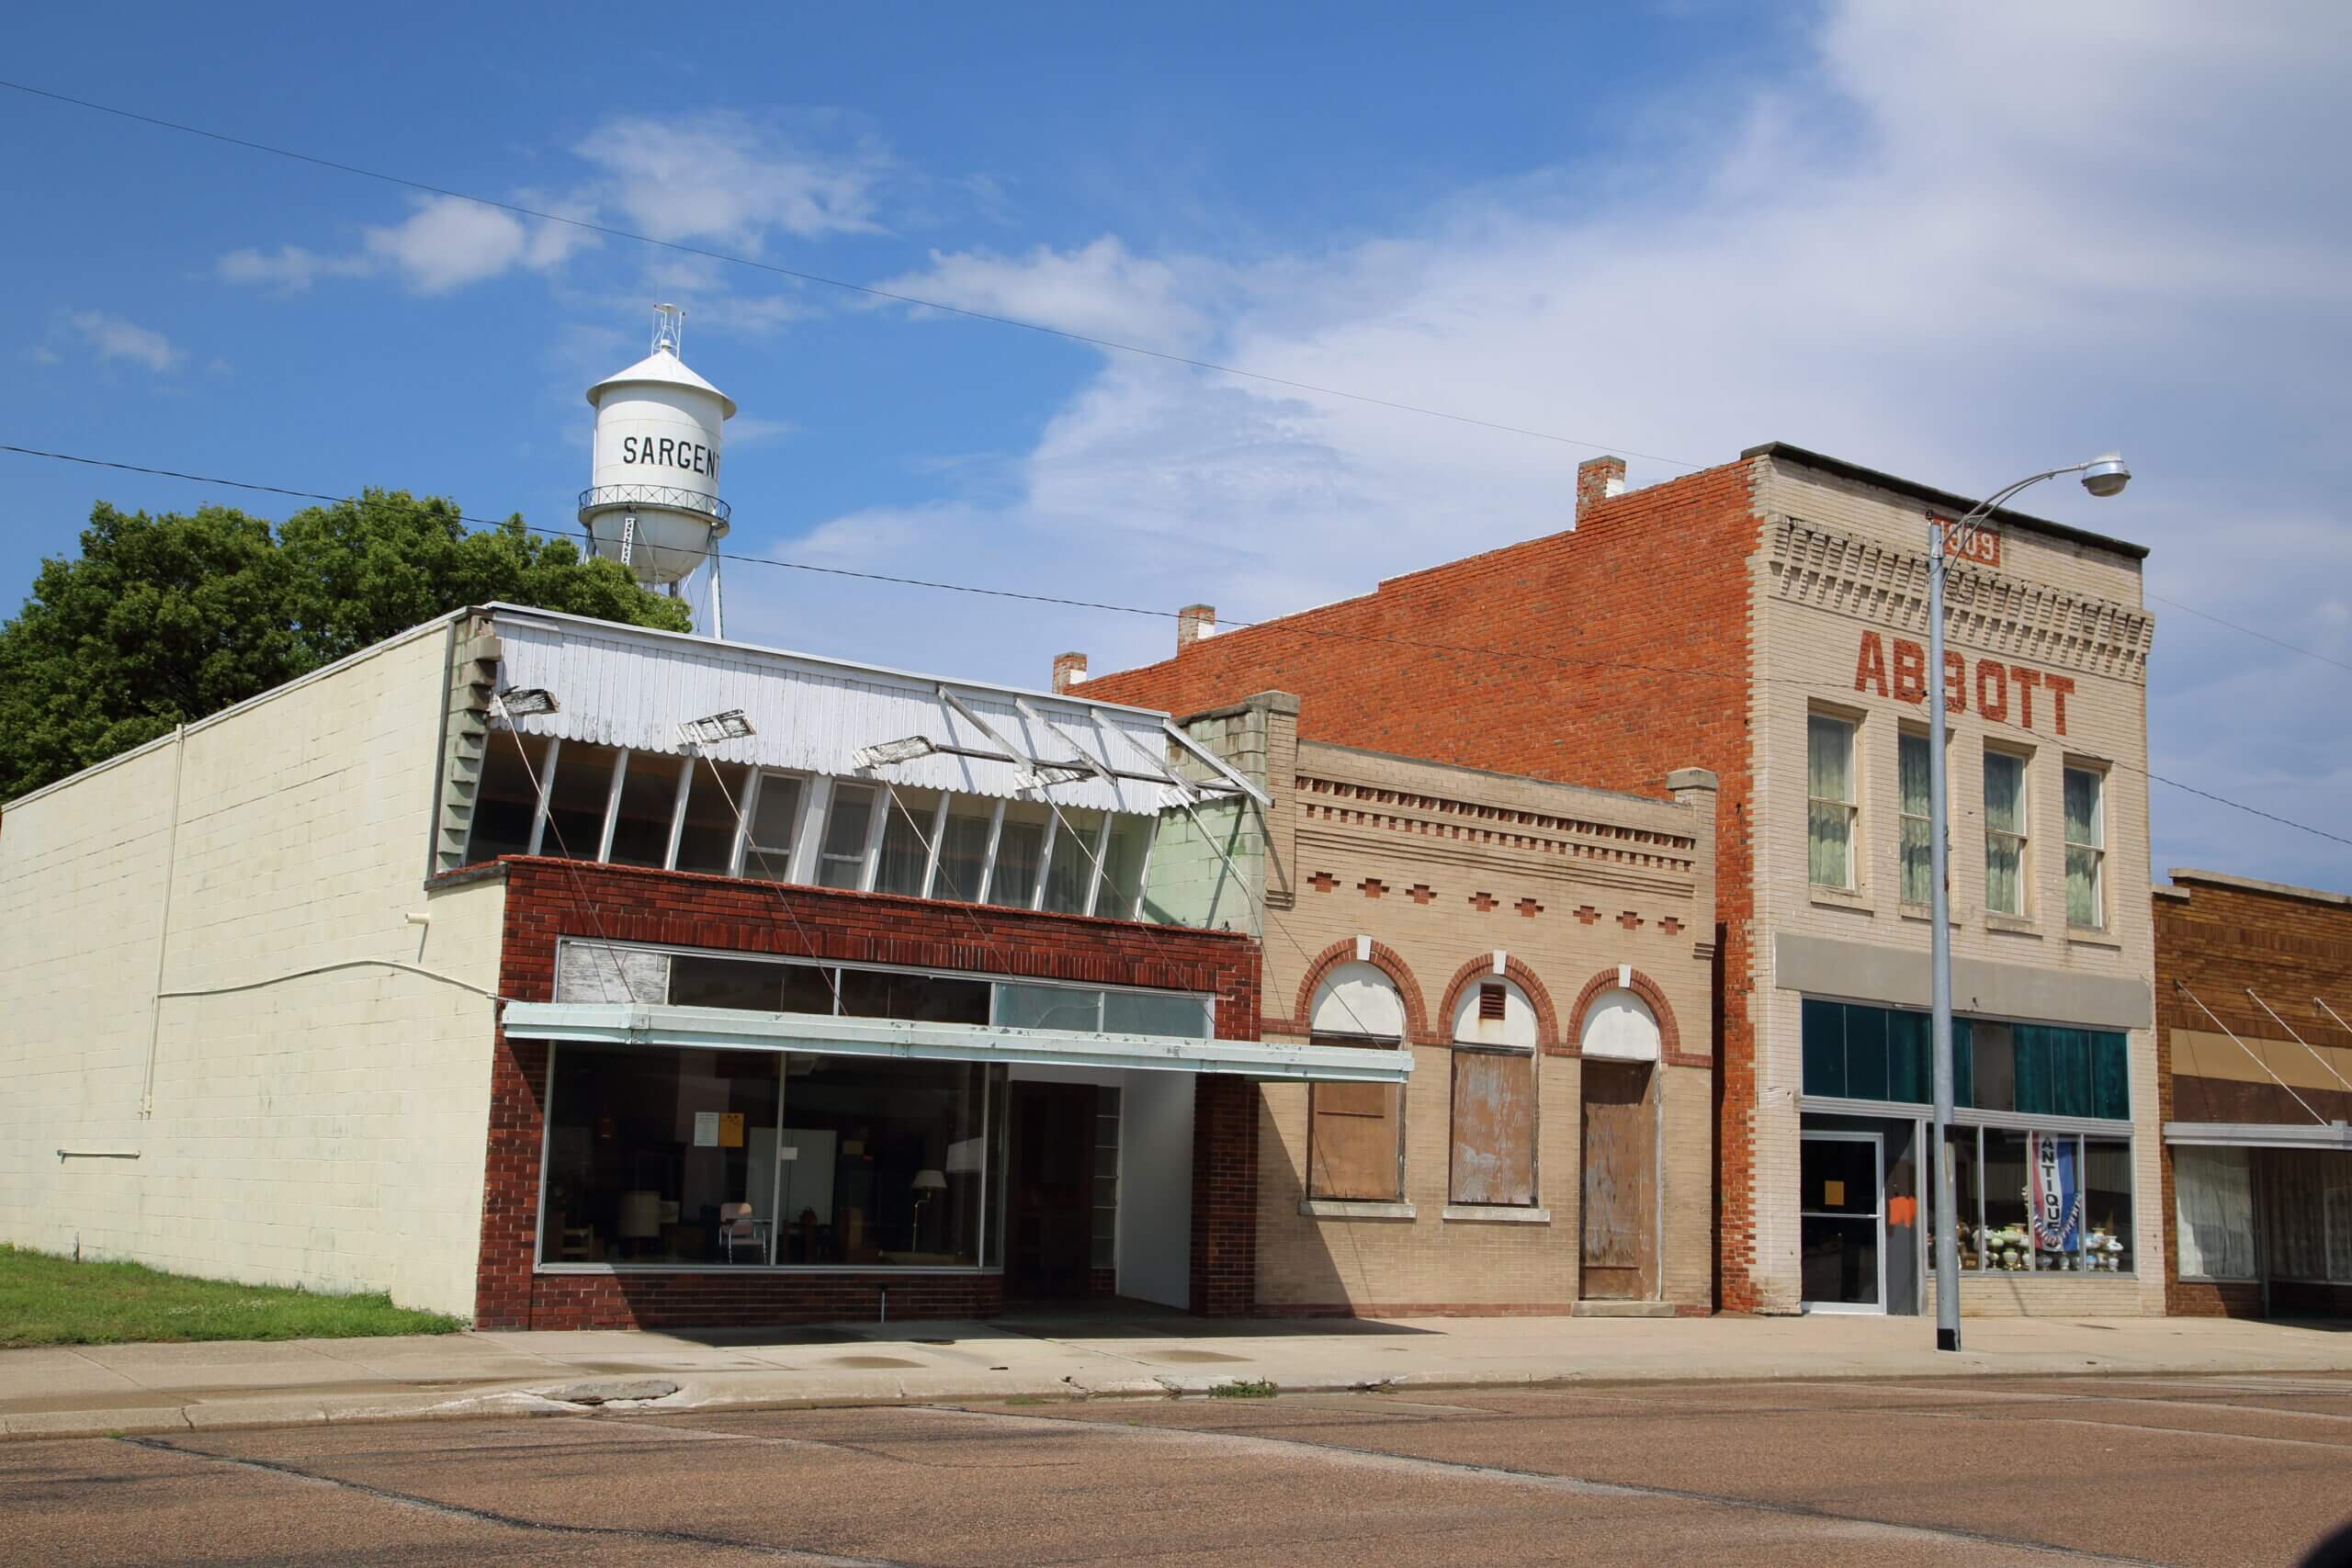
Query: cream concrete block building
[230, 1051]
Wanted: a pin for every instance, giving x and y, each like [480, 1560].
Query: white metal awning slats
[2261, 1135]
[622, 686]
[723, 1029]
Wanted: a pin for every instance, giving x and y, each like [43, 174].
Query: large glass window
[1123, 866]
[1020, 853]
[706, 843]
[2085, 848]
[2106, 1205]
[964, 850]
[507, 796]
[775, 823]
[2307, 1214]
[649, 801]
[659, 1155]
[2213, 1210]
[581, 789]
[906, 840]
[1916, 853]
[2005, 834]
[1071, 878]
[1830, 804]
[920, 998]
[1856, 1051]
[840, 856]
[885, 1162]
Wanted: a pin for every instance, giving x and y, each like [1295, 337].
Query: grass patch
[1262, 1389]
[47, 1299]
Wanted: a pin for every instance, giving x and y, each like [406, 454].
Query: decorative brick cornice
[1383, 958]
[1670, 1036]
[1885, 583]
[1547, 1019]
[1340, 804]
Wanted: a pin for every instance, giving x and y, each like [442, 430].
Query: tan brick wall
[1841, 560]
[1443, 867]
[326, 1131]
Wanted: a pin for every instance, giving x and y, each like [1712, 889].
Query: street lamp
[2102, 476]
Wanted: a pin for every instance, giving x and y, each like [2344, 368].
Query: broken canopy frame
[727, 1029]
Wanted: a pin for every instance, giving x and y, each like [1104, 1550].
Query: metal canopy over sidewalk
[723, 1029]
[2261, 1135]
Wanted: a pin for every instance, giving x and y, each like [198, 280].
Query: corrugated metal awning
[626, 687]
[723, 1029]
[2261, 1135]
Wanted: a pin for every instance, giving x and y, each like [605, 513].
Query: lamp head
[2106, 475]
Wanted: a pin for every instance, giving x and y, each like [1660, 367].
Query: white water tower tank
[653, 504]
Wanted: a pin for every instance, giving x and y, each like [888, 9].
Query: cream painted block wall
[326, 1131]
[1806, 659]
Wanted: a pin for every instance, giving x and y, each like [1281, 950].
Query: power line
[1523, 655]
[2249, 631]
[610, 231]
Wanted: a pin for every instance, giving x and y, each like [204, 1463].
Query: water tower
[654, 505]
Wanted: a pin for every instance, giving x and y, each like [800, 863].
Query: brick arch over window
[1669, 1038]
[1383, 958]
[1548, 1021]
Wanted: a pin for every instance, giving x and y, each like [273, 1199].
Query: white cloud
[112, 337]
[289, 267]
[448, 242]
[729, 179]
[1947, 249]
[1099, 291]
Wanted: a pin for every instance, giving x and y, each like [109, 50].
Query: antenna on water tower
[653, 503]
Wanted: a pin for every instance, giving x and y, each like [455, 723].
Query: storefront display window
[659, 1156]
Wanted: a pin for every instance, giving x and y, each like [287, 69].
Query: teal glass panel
[1866, 1052]
[2033, 1052]
[2070, 1072]
[1910, 1072]
[1824, 1048]
[1963, 1065]
[2111, 1076]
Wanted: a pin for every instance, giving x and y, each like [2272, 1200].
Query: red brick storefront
[2217, 938]
[1607, 657]
[549, 899]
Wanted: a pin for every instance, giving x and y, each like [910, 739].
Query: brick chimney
[1069, 668]
[1194, 623]
[1598, 480]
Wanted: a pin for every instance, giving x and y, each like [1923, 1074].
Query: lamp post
[2102, 476]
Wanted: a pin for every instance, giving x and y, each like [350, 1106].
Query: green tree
[162, 620]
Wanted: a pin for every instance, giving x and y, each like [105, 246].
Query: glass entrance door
[1841, 1224]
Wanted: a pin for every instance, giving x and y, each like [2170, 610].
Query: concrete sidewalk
[94, 1390]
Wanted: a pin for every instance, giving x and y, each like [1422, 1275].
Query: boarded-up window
[1494, 1126]
[1353, 1144]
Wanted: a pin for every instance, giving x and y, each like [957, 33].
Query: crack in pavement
[517, 1521]
[1575, 1486]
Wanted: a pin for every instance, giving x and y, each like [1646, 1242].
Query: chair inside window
[737, 1228]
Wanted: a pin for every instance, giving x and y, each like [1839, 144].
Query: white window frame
[751, 812]
[1903, 817]
[862, 857]
[2024, 836]
[2097, 775]
[1853, 808]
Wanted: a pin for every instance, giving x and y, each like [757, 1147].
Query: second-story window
[840, 856]
[1916, 852]
[2085, 848]
[2004, 833]
[774, 820]
[1830, 804]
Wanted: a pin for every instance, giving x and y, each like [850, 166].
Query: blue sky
[1958, 246]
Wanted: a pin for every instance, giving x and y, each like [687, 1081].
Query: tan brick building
[1542, 951]
[2254, 1053]
[1766, 620]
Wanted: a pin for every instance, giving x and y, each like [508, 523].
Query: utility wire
[2249, 631]
[707, 253]
[1523, 655]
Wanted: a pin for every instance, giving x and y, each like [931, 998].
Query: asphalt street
[2221, 1469]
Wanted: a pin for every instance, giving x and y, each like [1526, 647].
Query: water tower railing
[606, 498]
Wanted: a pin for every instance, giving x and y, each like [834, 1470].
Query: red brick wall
[547, 900]
[1607, 655]
[2217, 941]
[1225, 1196]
